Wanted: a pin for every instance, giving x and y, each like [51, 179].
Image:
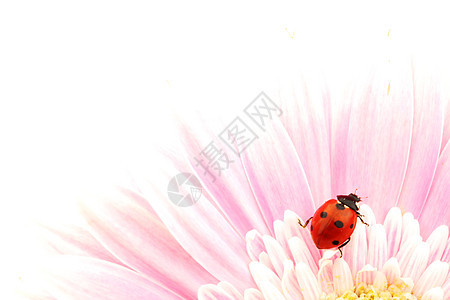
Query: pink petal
[306, 106]
[73, 240]
[213, 292]
[227, 189]
[425, 141]
[134, 234]
[436, 210]
[372, 154]
[76, 277]
[201, 230]
[276, 175]
[446, 132]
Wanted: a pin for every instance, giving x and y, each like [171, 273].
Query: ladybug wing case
[332, 226]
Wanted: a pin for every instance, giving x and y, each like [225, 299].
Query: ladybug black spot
[339, 224]
[340, 206]
[351, 225]
[323, 214]
[311, 227]
[335, 242]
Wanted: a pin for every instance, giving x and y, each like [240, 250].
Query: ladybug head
[350, 200]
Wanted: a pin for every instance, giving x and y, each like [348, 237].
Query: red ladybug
[334, 222]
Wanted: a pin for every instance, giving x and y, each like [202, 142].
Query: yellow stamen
[395, 291]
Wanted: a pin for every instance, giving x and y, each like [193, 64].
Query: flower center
[364, 291]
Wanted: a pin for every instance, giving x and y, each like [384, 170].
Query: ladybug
[334, 222]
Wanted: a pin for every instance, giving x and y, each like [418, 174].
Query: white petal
[380, 281]
[434, 276]
[342, 276]
[414, 265]
[355, 253]
[393, 227]
[278, 227]
[406, 249]
[446, 288]
[366, 275]
[369, 216]
[404, 285]
[325, 276]
[376, 255]
[276, 254]
[300, 253]
[230, 289]
[255, 244]
[289, 282]
[265, 259]
[271, 292]
[446, 254]
[261, 273]
[292, 228]
[307, 281]
[392, 270]
[253, 294]
[437, 241]
[434, 294]
[410, 227]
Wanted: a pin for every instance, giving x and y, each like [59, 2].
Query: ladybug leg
[361, 218]
[306, 224]
[339, 248]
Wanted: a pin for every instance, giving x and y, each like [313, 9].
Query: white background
[87, 87]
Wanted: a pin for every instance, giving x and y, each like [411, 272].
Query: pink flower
[241, 240]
